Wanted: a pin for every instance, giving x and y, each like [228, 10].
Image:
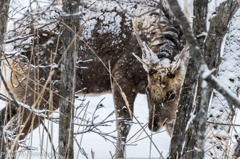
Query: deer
[147, 54]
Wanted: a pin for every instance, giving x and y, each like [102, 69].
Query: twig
[50, 138]
[137, 132]
[148, 136]
[145, 137]
[215, 123]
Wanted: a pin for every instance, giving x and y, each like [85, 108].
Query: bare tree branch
[50, 138]
[199, 67]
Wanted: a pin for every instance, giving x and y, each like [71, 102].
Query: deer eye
[170, 75]
[170, 96]
[152, 72]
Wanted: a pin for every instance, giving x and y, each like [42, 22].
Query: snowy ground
[94, 142]
[139, 145]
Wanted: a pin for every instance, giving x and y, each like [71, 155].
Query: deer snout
[155, 126]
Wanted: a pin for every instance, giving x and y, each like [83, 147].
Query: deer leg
[8, 112]
[123, 115]
[30, 122]
[21, 125]
[26, 121]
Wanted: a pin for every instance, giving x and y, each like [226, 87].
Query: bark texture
[187, 94]
[194, 141]
[188, 142]
[67, 87]
[217, 31]
[4, 7]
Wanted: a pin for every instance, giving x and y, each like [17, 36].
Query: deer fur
[109, 32]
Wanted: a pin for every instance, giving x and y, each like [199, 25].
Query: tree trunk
[4, 7]
[194, 141]
[67, 88]
[188, 142]
[188, 92]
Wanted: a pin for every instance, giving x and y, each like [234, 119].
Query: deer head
[165, 79]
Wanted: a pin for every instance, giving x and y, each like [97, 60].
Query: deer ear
[145, 65]
[181, 60]
[149, 58]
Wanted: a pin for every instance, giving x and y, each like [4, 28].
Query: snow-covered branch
[197, 55]
[217, 85]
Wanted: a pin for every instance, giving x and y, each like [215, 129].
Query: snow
[223, 45]
[229, 75]
[111, 20]
[138, 146]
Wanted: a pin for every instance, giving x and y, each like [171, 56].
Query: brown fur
[162, 108]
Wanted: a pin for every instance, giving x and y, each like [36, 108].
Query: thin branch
[216, 123]
[231, 98]
[50, 138]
